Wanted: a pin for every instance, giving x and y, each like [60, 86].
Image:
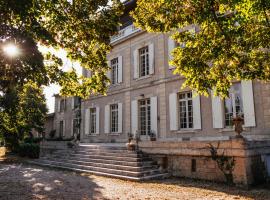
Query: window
[114, 67]
[185, 110]
[93, 119]
[77, 102]
[144, 116]
[233, 105]
[144, 66]
[114, 118]
[62, 105]
[61, 128]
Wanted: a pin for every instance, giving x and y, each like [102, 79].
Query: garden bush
[32, 140]
[30, 150]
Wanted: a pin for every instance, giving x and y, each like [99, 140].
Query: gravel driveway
[21, 181]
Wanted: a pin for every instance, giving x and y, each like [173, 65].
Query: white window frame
[92, 121]
[114, 123]
[188, 114]
[114, 71]
[144, 61]
[147, 113]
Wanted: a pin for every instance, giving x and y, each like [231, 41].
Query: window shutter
[120, 118]
[154, 107]
[217, 112]
[134, 116]
[171, 46]
[151, 58]
[248, 104]
[58, 107]
[109, 71]
[107, 119]
[196, 104]
[64, 127]
[173, 111]
[97, 120]
[72, 102]
[136, 62]
[87, 121]
[120, 69]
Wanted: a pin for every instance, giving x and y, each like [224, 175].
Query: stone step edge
[108, 160]
[103, 156]
[106, 164]
[160, 175]
[116, 170]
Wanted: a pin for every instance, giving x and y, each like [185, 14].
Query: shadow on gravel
[261, 192]
[22, 181]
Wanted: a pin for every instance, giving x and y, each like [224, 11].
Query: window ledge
[144, 77]
[115, 85]
[114, 134]
[185, 131]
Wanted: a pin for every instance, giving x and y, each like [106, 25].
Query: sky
[52, 89]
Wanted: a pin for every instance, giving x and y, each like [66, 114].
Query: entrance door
[144, 117]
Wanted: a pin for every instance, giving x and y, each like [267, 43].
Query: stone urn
[131, 146]
[238, 126]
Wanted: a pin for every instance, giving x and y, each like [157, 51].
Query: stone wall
[193, 159]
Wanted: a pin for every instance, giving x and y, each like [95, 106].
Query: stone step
[115, 162]
[102, 146]
[117, 157]
[155, 176]
[108, 165]
[102, 169]
[135, 155]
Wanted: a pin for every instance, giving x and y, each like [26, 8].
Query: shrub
[30, 150]
[32, 140]
[52, 133]
[60, 139]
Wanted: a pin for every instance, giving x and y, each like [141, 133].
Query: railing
[124, 33]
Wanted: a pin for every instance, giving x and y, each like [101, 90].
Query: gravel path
[24, 182]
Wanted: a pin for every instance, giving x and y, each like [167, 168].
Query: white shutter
[134, 116]
[64, 127]
[72, 102]
[217, 112]
[248, 104]
[173, 111]
[154, 125]
[58, 105]
[151, 58]
[97, 120]
[109, 71]
[171, 46]
[120, 118]
[107, 119]
[135, 63]
[120, 69]
[87, 121]
[196, 104]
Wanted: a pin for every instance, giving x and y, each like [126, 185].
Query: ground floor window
[61, 128]
[144, 116]
[185, 110]
[93, 119]
[114, 118]
[233, 105]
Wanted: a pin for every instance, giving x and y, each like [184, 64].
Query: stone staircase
[112, 160]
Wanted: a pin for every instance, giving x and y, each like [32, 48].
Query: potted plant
[152, 136]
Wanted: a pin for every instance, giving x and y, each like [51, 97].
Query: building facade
[146, 98]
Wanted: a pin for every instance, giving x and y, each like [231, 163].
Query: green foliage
[22, 109]
[32, 140]
[82, 28]
[30, 150]
[231, 41]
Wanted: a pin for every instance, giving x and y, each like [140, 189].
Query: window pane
[185, 110]
[144, 61]
[114, 70]
[114, 118]
[144, 116]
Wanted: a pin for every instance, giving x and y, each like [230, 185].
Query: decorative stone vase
[238, 126]
[153, 138]
[131, 146]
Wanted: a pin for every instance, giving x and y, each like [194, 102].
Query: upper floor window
[77, 102]
[114, 72]
[114, 118]
[185, 110]
[233, 105]
[62, 105]
[61, 128]
[144, 67]
[93, 119]
[144, 116]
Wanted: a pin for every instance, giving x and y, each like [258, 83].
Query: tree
[83, 28]
[231, 42]
[29, 114]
